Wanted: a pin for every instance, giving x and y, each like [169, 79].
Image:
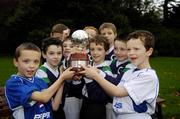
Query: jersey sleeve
[17, 93]
[42, 74]
[142, 88]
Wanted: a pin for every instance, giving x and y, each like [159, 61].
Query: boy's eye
[71, 46]
[109, 33]
[100, 49]
[26, 61]
[51, 53]
[59, 53]
[123, 49]
[36, 61]
[103, 33]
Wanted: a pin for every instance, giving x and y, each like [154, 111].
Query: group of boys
[119, 83]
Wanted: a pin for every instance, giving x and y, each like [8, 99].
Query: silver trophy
[79, 57]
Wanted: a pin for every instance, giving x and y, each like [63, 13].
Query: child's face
[120, 50]
[67, 48]
[109, 34]
[53, 55]
[79, 47]
[28, 63]
[137, 53]
[97, 52]
[65, 33]
[91, 33]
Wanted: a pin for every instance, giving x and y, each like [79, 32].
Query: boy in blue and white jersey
[135, 96]
[29, 97]
[95, 99]
[121, 63]
[119, 66]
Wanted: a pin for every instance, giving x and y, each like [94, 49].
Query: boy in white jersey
[119, 66]
[28, 96]
[135, 96]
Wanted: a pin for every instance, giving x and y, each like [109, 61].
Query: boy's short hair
[100, 40]
[122, 38]
[145, 36]
[58, 28]
[25, 46]
[108, 25]
[91, 27]
[50, 41]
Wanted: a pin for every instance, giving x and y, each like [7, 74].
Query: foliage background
[32, 20]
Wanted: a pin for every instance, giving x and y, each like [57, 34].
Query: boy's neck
[144, 65]
[96, 64]
[29, 78]
[52, 67]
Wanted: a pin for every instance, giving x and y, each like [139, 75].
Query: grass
[167, 68]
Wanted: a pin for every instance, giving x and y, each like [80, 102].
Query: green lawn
[168, 70]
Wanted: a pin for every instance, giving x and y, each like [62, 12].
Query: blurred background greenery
[32, 20]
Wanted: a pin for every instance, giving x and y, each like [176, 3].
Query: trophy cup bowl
[79, 57]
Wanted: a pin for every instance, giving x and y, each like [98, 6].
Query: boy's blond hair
[108, 25]
[91, 27]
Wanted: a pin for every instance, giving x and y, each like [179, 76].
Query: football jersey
[18, 92]
[92, 90]
[110, 56]
[142, 87]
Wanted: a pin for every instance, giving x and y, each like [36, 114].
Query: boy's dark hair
[25, 46]
[100, 40]
[122, 38]
[50, 41]
[145, 36]
[58, 28]
[108, 25]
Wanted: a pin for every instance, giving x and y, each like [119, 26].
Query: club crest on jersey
[118, 105]
[113, 57]
[120, 70]
[41, 107]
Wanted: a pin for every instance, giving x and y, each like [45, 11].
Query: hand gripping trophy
[79, 57]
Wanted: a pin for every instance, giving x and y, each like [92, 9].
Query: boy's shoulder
[142, 72]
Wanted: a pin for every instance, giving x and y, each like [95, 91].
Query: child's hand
[77, 77]
[90, 71]
[68, 74]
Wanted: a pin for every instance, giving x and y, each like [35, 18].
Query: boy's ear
[150, 51]
[43, 55]
[107, 52]
[115, 35]
[15, 62]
